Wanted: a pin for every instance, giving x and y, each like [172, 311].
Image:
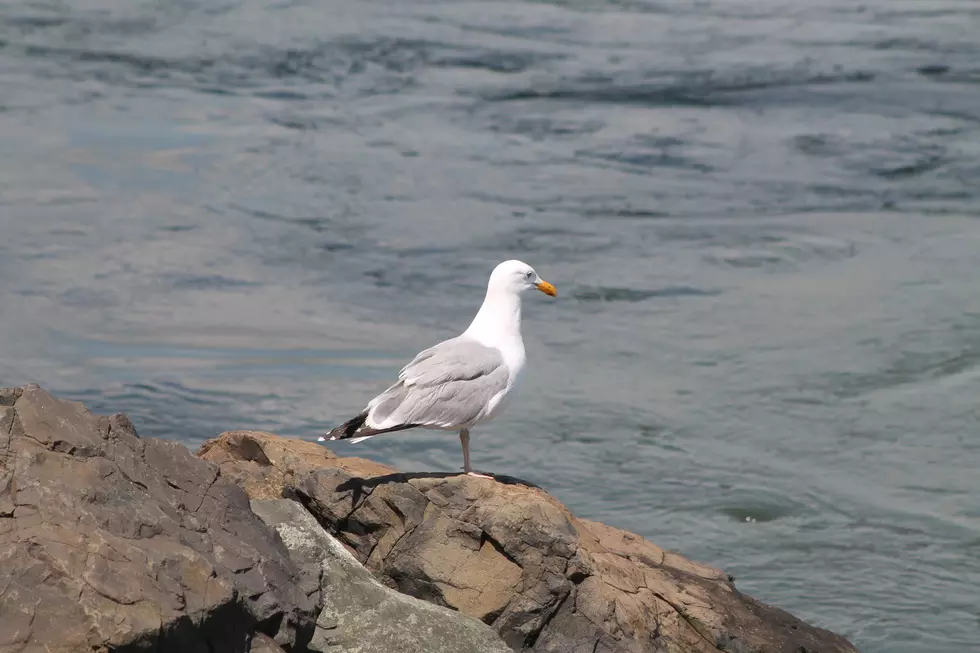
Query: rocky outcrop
[514, 557]
[359, 614]
[112, 542]
[109, 541]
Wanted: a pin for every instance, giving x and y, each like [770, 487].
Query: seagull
[463, 381]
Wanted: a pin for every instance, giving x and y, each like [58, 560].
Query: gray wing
[446, 386]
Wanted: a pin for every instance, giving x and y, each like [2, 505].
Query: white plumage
[463, 381]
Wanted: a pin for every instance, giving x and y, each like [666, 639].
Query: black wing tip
[347, 429]
[354, 428]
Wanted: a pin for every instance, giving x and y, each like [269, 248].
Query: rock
[266, 464]
[360, 615]
[264, 644]
[515, 558]
[111, 541]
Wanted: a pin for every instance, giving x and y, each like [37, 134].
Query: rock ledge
[514, 557]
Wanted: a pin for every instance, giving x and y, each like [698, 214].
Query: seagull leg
[464, 439]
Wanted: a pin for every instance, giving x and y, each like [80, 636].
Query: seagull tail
[354, 428]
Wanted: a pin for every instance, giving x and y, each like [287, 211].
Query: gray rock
[360, 615]
[111, 541]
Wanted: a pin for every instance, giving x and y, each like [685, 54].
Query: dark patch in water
[933, 70]
[281, 95]
[909, 368]
[705, 89]
[495, 61]
[216, 90]
[318, 224]
[541, 127]
[821, 145]
[905, 44]
[335, 247]
[296, 122]
[640, 94]
[625, 212]
[30, 23]
[333, 63]
[608, 294]
[642, 162]
[209, 282]
[922, 166]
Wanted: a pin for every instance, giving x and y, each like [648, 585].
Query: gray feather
[448, 385]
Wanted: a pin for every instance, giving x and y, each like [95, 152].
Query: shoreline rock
[359, 614]
[514, 557]
[109, 541]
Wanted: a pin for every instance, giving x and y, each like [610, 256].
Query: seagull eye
[527, 275]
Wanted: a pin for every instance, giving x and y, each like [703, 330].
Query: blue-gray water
[763, 218]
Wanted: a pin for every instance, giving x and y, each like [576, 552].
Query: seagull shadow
[360, 485]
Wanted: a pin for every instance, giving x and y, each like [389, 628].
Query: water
[761, 216]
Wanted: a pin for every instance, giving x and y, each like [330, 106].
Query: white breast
[515, 359]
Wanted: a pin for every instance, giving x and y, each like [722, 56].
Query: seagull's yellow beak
[546, 288]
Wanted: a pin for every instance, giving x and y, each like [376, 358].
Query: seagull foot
[478, 475]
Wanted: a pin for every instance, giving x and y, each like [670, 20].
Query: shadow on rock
[356, 484]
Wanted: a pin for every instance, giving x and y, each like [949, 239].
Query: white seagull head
[517, 277]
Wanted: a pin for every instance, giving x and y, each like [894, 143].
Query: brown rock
[110, 541]
[262, 468]
[514, 557]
